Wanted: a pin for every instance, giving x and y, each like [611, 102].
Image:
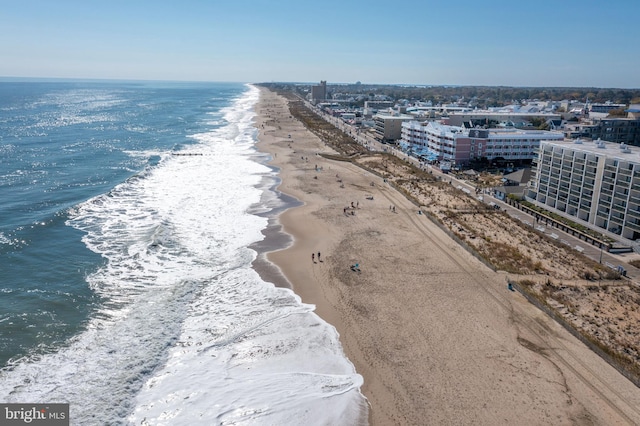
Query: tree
[538, 123]
[619, 112]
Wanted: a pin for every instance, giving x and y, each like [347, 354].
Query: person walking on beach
[313, 257]
[319, 257]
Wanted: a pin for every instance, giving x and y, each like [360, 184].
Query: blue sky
[464, 42]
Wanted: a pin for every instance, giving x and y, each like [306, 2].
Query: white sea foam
[187, 332]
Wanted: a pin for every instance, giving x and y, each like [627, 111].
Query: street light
[600, 253]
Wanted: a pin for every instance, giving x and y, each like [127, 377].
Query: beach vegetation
[635, 263]
[593, 313]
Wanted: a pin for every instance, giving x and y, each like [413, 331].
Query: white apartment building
[594, 183]
[455, 143]
[437, 141]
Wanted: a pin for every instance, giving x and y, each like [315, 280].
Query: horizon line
[419, 85]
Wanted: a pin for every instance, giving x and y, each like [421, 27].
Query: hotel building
[461, 145]
[594, 183]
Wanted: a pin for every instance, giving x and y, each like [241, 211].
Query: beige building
[388, 127]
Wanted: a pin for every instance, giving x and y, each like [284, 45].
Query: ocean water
[127, 216]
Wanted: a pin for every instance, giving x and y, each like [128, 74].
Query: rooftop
[524, 133]
[447, 130]
[482, 113]
[600, 147]
[388, 116]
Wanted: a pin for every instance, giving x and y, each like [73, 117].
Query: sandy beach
[434, 332]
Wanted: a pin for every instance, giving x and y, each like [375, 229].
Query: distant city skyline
[465, 43]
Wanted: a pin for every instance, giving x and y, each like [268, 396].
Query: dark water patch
[45, 296]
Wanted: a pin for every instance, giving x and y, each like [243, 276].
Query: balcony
[585, 207]
[544, 170]
[618, 209]
[633, 214]
[634, 226]
[621, 193]
[617, 218]
[623, 181]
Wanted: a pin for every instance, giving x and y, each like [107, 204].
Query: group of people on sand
[313, 257]
[351, 210]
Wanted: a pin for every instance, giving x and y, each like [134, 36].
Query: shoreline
[274, 237]
[430, 328]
